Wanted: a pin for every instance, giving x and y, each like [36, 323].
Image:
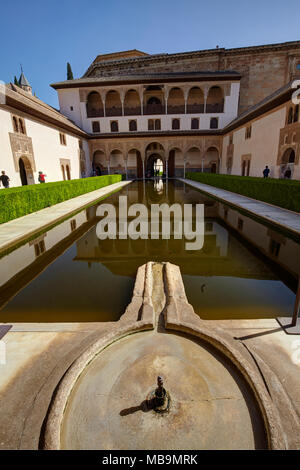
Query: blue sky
[44, 35]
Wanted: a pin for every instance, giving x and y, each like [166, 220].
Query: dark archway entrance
[153, 162]
[23, 175]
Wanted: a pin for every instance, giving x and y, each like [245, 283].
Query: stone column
[141, 93]
[166, 99]
[205, 98]
[103, 97]
[166, 169]
[184, 162]
[108, 165]
[143, 169]
[126, 172]
[122, 98]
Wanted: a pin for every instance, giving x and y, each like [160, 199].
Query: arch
[195, 101]
[153, 152]
[113, 105]
[68, 172]
[99, 163]
[26, 173]
[176, 101]
[288, 156]
[94, 105]
[117, 164]
[193, 158]
[132, 103]
[154, 146]
[15, 124]
[215, 100]
[211, 160]
[153, 100]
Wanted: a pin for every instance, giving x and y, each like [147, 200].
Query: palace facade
[222, 110]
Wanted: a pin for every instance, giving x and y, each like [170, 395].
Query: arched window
[94, 105]
[113, 106]
[157, 124]
[296, 113]
[195, 123]
[215, 100]
[15, 124]
[195, 102]
[114, 126]
[290, 116]
[153, 100]
[21, 126]
[132, 103]
[175, 124]
[132, 125]
[176, 101]
[150, 125]
[214, 123]
[96, 126]
[292, 157]
[68, 172]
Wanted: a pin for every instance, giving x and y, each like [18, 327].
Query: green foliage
[22, 200]
[280, 192]
[69, 72]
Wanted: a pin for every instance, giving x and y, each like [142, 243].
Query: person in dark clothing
[4, 179]
[266, 172]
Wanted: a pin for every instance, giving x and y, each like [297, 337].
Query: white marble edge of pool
[277, 215]
[16, 230]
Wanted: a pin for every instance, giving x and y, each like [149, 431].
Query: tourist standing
[42, 177]
[4, 180]
[266, 172]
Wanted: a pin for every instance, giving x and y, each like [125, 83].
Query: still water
[244, 270]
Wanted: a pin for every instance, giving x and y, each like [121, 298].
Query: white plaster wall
[263, 144]
[68, 98]
[47, 150]
[6, 157]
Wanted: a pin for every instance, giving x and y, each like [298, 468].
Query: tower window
[214, 123]
[62, 138]
[114, 126]
[195, 123]
[248, 132]
[176, 124]
[96, 126]
[132, 125]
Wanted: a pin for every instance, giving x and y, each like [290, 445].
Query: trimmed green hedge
[280, 192]
[22, 200]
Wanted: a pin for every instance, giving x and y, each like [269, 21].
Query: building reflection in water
[244, 269]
